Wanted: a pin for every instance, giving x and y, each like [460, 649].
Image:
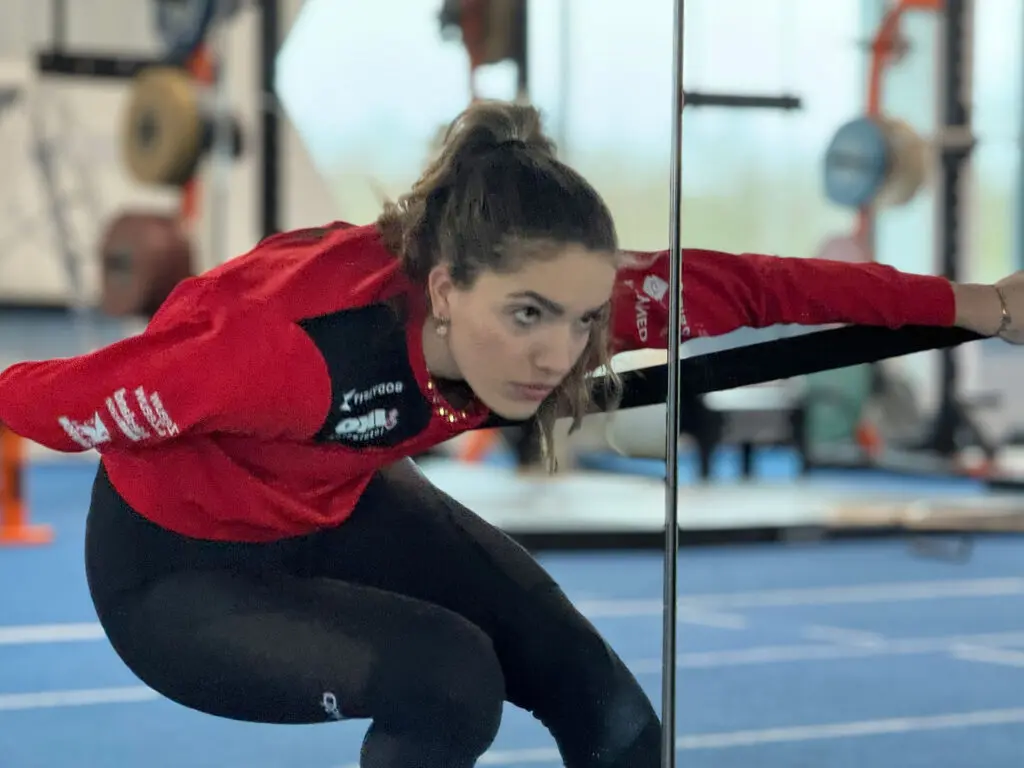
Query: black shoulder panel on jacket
[375, 400]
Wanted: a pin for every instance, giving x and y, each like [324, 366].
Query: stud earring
[441, 326]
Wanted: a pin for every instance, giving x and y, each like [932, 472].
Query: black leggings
[415, 614]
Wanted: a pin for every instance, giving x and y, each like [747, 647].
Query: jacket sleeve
[211, 373]
[723, 292]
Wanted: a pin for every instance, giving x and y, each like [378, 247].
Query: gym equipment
[953, 428]
[180, 25]
[169, 127]
[184, 24]
[964, 517]
[741, 101]
[492, 31]
[15, 529]
[142, 258]
[874, 160]
[66, 176]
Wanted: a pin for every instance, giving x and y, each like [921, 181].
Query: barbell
[169, 126]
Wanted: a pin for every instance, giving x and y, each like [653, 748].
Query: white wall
[31, 269]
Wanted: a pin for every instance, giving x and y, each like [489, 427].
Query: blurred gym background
[851, 581]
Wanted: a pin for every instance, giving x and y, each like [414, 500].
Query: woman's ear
[440, 286]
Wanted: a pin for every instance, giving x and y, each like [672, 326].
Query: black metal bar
[59, 25]
[741, 101]
[774, 360]
[522, 47]
[788, 357]
[90, 65]
[954, 116]
[952, 417]
[270, 182]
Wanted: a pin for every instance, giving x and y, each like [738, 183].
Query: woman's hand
[1012, 288]
[980, 308]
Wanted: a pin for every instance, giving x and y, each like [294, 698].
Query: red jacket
[264, 393]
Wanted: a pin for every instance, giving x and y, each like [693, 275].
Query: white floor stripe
[793, 734]
[985, 655]
[780, 654]
[902, 591]
[704, 618]
[702, 609]
[981, 647]
[853, 729]
[843, 636]
[50, 633]
[80, 698]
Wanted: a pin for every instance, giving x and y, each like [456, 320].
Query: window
[752, 179]
[369, 90]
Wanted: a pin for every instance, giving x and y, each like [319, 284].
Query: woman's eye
[589, 321]
[526, 315]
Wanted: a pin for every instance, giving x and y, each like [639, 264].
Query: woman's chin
[513, 410]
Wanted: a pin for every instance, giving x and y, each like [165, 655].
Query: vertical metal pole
[676, 322]
[270, 181]
[564, 64]
[1018, 235]
[59, 25]
[223, 140]
[955, 74]
[522, 47]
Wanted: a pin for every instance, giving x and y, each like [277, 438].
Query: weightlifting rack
[954, 120]
[953, 424]
[952, 427]
[59, 61]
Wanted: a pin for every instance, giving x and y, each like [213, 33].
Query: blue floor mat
[835, 655]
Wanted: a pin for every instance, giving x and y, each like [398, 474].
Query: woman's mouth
[533, 393]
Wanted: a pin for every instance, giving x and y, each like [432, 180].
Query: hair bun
[486, 126]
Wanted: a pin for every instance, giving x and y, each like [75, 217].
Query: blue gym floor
[825, 656]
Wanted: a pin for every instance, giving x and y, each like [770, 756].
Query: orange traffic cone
[869, 439]
[478, 444]
[15, 529]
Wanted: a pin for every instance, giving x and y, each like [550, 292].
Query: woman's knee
[575, 683]
[452, 685]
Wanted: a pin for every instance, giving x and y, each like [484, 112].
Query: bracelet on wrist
[1005, 319]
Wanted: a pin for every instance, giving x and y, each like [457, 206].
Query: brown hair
[494, 193]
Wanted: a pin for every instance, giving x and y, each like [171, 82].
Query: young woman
[260, 547]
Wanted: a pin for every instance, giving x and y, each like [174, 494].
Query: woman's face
[513, 337]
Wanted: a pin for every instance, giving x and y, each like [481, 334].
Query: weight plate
[143, 256]
[162, 134]
[856, 163]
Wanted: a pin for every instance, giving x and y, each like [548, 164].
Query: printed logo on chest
[375, 399]
[360, 421]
